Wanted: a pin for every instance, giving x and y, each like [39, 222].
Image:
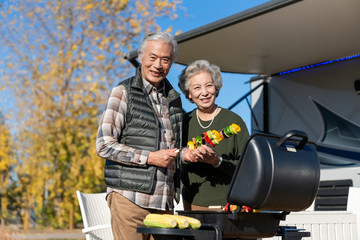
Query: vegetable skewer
[213, 137]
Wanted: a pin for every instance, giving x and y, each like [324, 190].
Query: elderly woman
[206, 179]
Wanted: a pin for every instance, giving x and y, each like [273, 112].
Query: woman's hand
[207, 155]
[190, 155]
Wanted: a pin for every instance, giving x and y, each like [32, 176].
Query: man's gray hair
[159, 36]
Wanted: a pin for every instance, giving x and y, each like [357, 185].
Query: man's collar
[148, 86]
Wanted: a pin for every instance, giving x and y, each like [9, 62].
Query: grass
[33, 234]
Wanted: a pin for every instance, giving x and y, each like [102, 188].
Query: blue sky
[197, 13]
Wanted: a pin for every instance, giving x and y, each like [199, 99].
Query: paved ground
[56, 234]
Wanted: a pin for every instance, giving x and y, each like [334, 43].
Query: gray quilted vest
[141, 131]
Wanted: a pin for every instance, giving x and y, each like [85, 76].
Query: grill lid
[276, 173]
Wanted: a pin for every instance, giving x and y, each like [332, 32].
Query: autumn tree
[62, 57]
[7, 161]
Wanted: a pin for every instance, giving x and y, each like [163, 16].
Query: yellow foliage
[177, 32]
[88, 7]
[6, 150]
[3, 166]
[100, 57]
[134, 23]
[7, 161]
[169, 29]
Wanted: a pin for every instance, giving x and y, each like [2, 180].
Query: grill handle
[218, 233]
[294, 133]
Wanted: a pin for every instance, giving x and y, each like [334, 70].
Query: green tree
[63, 57]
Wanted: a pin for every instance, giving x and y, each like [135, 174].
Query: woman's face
[202, 91]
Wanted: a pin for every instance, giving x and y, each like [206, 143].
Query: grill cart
[275, 175]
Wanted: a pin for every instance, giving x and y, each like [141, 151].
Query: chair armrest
[97, 227]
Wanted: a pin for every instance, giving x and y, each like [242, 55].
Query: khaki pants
[127, 216]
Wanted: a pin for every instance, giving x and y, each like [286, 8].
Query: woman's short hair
[195, 68]
[159, 36]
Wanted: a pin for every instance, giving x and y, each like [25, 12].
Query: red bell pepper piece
[246, 209]
[207, 139]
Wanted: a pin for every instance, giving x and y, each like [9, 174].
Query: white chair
[96, 216]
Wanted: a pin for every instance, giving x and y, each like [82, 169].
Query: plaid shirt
[108, 147]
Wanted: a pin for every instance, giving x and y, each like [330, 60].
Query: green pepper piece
[198, 141]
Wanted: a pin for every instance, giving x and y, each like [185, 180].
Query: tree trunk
[2, 201]
[71, 218]
[26, 219]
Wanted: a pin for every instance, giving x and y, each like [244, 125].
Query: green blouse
[204, 185]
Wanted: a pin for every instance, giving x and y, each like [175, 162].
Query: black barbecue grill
[275, 175]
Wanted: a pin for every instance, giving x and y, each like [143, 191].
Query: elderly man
[139, 136]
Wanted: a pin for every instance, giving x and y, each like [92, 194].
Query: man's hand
[163, 157]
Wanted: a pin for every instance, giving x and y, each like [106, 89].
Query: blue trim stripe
[319, 64]
[339, 152]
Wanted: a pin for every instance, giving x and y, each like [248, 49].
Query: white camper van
[307, 58]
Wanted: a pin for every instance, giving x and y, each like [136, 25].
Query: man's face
[156, 61]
